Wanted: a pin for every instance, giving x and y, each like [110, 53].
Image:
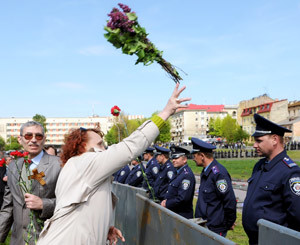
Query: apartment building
[58, 127]
[193, 120]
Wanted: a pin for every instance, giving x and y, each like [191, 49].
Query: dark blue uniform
[122, 174]
[135, 177]
[166, 174]
[180, 193]
[216, 200]
[273, 194]
[152, 170]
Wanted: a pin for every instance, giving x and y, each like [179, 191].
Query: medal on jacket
[37, 176]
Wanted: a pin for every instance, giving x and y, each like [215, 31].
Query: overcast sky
[56, 62]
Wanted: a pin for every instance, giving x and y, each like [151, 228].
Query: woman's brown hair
[75, 142]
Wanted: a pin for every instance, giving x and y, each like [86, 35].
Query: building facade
[193, 121]
[58, 127]
[276, 111]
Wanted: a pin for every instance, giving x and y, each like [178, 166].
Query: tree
[2, 144]
[215, 126]
[229, 127]
[41, 119]
[240, 134]
[12, 144]
[165, 133]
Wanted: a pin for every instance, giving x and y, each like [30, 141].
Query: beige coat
[14, 210]
[83, 210]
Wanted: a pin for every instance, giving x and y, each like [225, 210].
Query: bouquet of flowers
[124, 31]
[26, 186]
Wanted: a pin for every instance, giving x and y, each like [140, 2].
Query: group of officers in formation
[273, 189]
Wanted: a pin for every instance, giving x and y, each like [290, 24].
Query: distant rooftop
[208, 108]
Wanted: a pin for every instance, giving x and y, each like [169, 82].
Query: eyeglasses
[84, 130]
[29, 136]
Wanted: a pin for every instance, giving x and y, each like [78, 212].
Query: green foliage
[41, 119]
[165, 133]
[2, 144]
[215, 126]
[228, 128]
[118, 131]
[240, 134]
[12, 144]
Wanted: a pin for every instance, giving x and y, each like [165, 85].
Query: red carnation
[115, 111]
[2, 162]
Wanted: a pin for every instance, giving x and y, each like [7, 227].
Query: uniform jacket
[84, 210]
[14, 209]
[273, 194]
[152, 170]
[166, 174]
[135, 177]
[216, 200]
[180, 193]
[122, 174]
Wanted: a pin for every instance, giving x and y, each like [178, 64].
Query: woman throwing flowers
[84, 201]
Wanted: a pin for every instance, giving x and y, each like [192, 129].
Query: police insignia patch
[170, 174]
[185, 184]
[122, 173]
[155, 170]
[222, 185]
[138, 173]
[295, 185]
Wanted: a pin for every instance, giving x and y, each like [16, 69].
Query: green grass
[7, 241]
[238, 235]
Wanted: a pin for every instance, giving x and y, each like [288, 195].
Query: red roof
[208, 108]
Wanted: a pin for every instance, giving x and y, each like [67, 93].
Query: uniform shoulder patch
[155, 170]
[289, 162]
[170, 174]
[215, 169]
[186, 184]
[295, 185]
[222, 185]
[122, 173]
[138, 173]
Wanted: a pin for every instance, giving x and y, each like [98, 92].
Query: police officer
[166, 173]
[180, 194]
[152, 167]
[274, 187]
[135, 177]
[216, 200]
[121, 175]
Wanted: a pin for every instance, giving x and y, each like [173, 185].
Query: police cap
[264, 126]
[178, 151]
[149, 150]
[201, 146]
[161, 150]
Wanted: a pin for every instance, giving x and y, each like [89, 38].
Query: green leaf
[131, 16]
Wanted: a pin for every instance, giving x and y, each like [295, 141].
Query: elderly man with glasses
[17, 204]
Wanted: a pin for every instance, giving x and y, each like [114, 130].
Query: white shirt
[36, 160]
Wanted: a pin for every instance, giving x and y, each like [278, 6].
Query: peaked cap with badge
[201, 146]
[265, 126]
[161, 150]
[149, 150]
[178, 151]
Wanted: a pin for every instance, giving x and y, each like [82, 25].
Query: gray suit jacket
[14, 210]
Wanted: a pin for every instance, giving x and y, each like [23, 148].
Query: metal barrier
[270, 233]
[125, 215]
[144, 222]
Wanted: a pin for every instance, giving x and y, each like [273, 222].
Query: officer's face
[264, 145]
[159, 158]
[146, 156]
[198, 159]
[179, 162]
